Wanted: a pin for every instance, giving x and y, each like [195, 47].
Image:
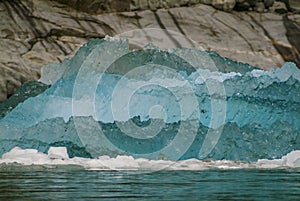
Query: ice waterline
[152, 104]
[59, 156]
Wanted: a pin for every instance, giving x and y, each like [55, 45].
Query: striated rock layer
[35, 33]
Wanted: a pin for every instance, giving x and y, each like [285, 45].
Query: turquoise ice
[151, 103]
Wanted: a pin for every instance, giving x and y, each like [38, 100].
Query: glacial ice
[159, 104]
[58, 156]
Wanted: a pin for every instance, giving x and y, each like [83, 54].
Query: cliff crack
[179, 27]
[237, 32]
[287, 53]
[162, 26]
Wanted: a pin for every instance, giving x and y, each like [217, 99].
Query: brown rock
[226, 5]
[36, 33]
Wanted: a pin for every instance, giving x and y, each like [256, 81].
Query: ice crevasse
[159, 104]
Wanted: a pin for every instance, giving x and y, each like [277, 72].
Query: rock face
[294, 5]
[225, 5]
[36, 32]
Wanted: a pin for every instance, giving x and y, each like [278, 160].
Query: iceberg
[173, 104]
[58, 156]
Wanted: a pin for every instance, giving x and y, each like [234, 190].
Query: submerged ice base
[155, 104]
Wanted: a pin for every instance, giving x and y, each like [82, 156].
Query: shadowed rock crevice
[180, 29]
[98, 6]
[288, 53]
[237, 32]
[293, 35]
[162, 26]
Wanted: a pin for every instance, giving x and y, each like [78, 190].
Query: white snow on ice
[59, 156]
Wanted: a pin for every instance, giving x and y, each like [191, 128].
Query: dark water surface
[71, 183]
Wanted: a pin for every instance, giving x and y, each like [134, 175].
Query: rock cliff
[37, 32]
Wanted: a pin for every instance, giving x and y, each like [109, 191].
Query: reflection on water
[73, 183]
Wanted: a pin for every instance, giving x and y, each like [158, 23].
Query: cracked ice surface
[102, 100]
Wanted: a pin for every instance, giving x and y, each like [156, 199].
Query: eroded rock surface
[36, 32]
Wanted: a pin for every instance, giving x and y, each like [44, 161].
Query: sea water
[73, 183]
[27, 174]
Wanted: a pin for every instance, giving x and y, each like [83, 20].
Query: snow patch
[59, 156]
